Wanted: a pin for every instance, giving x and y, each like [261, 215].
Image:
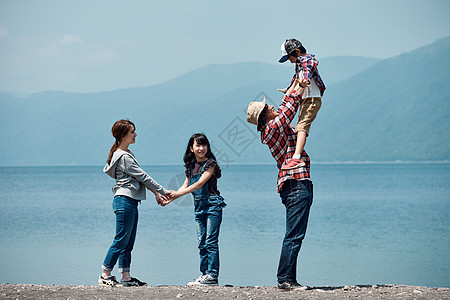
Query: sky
[91, 46]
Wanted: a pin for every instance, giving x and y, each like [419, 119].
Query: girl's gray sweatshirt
[131, 180]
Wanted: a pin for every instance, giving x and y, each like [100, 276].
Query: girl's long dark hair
[189, 157]
[120, 129]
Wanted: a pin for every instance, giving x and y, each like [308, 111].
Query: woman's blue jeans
[297, 196]
[126, 212]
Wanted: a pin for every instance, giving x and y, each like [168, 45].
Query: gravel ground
[30, 291]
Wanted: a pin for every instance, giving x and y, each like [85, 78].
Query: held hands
[163, 200]
[296, 87]
[303, 83]
[167, 198]
[160, 199]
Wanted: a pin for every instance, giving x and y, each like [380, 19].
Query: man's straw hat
[254, 110]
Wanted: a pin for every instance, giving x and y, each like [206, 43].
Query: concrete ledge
[31, 291]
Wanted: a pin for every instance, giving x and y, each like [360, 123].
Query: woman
[129, 190]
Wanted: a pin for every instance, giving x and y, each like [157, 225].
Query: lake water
[369, 224]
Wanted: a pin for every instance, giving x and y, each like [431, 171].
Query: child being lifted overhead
[306, 75]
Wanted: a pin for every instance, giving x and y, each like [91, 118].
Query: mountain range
[373, 110]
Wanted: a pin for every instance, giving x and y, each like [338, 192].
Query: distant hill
[338, 68]
[377, 110]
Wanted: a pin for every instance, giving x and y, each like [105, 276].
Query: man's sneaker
[204, 280]
[293, 164]
[108, 281]
[133, 282]
[291, 285]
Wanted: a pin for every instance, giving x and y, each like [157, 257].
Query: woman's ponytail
[111, 152]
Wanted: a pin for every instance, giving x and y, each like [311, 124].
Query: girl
[129, 190]
[202, 172]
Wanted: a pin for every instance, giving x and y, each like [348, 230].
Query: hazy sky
[89, 46]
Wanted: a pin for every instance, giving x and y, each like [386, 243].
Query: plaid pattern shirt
[308, 63]
[280, 137]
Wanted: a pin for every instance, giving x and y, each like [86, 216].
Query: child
[202, 172]
[305, 68]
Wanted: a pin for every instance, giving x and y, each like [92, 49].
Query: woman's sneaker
[108, 281]
[291, 285]
[204, 280]
[133, 282]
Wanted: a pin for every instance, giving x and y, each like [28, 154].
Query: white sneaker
[204, 280]
[109, 281]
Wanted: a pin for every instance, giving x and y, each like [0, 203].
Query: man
[295, 186]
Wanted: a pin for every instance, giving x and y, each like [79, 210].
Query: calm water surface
[369, 224]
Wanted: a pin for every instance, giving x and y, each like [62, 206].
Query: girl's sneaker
[205, 280]
[133, 282]
[108, 281]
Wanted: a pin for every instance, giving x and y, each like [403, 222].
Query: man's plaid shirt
[281, 138]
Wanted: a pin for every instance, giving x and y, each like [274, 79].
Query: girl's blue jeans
[208, 219]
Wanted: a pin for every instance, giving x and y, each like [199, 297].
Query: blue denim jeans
[208, 219]
[126, 213]
[297, 197]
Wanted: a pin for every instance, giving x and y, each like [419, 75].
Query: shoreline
[174, 164]
[388, 291]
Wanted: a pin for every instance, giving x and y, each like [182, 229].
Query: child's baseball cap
[287, 47]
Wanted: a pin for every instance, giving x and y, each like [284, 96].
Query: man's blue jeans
[126, 212]
[297, 197]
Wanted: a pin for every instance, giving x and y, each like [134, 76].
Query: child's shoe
[293, 163]
[204, 280]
